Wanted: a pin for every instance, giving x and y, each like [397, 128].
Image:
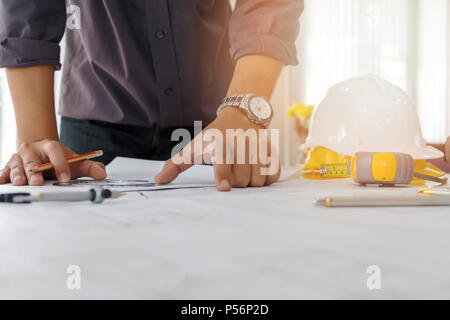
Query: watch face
[260, 108]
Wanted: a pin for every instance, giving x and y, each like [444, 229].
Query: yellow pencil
[81, 157]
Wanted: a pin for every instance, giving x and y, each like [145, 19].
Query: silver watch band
[234, 100]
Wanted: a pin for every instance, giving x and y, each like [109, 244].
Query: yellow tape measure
[377, 168]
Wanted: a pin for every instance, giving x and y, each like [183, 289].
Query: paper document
[147, 169]
[135, 175]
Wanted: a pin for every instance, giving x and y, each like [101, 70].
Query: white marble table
[268, 243]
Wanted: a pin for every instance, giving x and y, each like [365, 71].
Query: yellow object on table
[300, 111]
[321, 157]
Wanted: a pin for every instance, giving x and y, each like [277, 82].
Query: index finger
[197, 151]
[170, 171]
[55, 152]
[177, 164]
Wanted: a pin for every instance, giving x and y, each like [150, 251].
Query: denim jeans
[151, 143]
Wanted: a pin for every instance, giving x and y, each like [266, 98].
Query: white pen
[383, 201]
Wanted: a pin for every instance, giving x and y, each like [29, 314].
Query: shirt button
[169, 92]
[160, 34]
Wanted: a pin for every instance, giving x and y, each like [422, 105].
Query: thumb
[88, 168]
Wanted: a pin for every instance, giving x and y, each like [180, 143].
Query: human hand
[447, 150]
[254, 163]
[22, 167]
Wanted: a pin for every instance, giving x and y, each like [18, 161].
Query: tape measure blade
[337, 170]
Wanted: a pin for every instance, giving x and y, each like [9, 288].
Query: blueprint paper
[135, 175]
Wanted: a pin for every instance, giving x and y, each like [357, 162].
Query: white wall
[404, 41]
[433, 68]
[7, 123]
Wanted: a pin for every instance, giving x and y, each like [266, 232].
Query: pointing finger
[170, 171]
[176, 165]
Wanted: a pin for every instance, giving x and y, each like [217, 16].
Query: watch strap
[234, 100]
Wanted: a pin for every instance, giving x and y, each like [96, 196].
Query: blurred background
[404, 41]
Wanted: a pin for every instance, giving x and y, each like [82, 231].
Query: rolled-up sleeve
[267, 27]
[30, 32]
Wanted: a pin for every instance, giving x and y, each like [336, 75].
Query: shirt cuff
[20, 52]
[284, 51]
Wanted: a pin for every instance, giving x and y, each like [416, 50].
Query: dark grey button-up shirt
[145, 61]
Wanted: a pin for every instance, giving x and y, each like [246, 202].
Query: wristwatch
[258, 109]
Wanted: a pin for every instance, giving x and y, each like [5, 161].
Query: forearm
[32, 92]
[447, 150]
[444, 148]
[256, 74]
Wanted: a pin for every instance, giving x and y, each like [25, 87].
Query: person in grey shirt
[133, 72]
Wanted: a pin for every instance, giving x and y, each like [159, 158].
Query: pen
[383, 201]
[429, 191]
[81, 157]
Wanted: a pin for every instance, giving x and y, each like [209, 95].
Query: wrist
[232, 112]
[29, 136]
[237, 118]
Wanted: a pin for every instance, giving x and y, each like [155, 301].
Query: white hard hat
[368, 114]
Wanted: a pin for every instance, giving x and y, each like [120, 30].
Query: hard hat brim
[429, 153]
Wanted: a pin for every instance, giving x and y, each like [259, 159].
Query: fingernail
[98, 171]
[35, 179]
[64, 177]
[225, 184]
[17, 179]
[99, 167]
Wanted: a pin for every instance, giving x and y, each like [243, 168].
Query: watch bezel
[255, 116]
